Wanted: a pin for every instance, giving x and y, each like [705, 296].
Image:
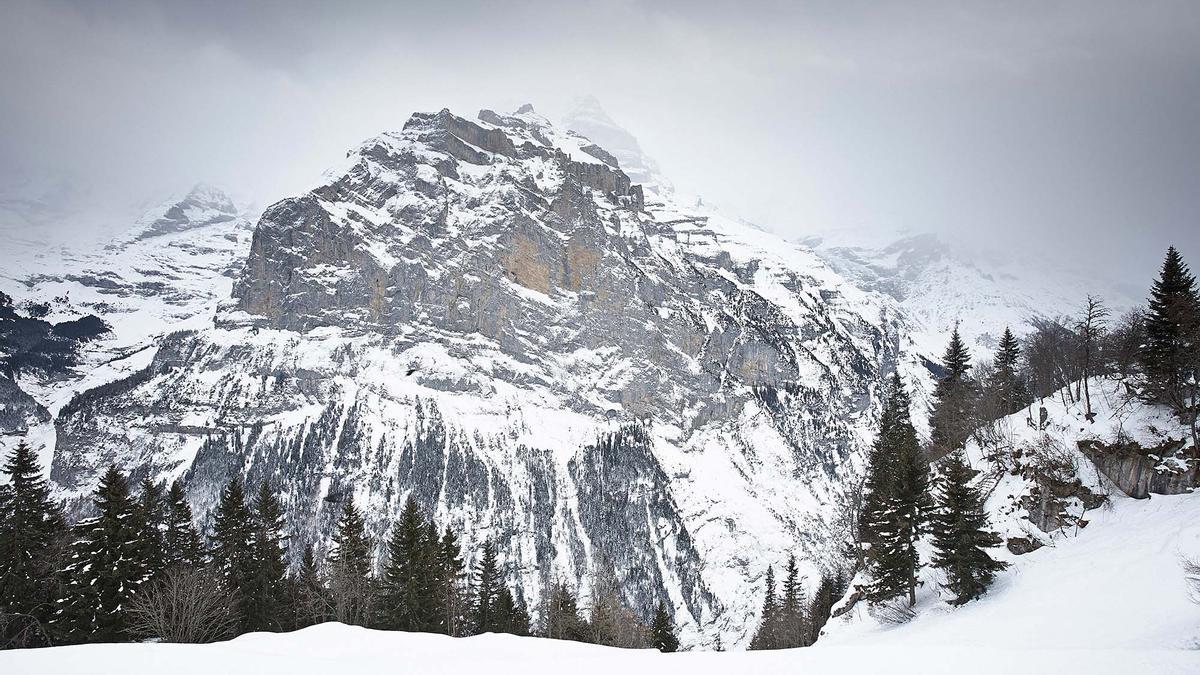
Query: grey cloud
[1069, 125]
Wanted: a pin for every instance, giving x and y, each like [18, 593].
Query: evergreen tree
[150, 522]
[351, 546]
[662, 631]
[233, 549]
[896, 501]
[410, 575]
[181, 540]
[309, 604]
[505, 613]
[791, 622]
[1007, 385]
[560, 617]
[105, 567]
[352, 589]
[766, 637]
[266, 595]
[486, 590]
[960, 534]
[449, 584]
[953, 416]
[1171, 353]
[31, 536]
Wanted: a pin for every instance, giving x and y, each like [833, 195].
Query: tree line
[140, 568]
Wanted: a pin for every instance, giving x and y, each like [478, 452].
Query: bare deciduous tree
[184, 604]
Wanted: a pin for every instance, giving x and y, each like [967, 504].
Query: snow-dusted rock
[486, 314]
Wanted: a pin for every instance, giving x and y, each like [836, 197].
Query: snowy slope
[337, 648]
[1113, 580]
[165, 272]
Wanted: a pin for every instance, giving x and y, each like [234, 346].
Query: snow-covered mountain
[588, 118]
[490, 315]
[163, 273]
[519, 324]
[940, 283]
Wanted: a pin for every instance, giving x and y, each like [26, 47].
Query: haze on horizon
[1068, 126]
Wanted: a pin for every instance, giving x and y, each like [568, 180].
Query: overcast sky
[1071, 124]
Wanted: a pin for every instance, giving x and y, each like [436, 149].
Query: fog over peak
[1066, 126]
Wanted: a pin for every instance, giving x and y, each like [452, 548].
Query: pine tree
[896, 501]
[960, 534]
[662, 631]
[1007, 384]
[309, 604]
[560, 616]
[352, 589]
[451, 603]
[31, 537]
[766, 637]
[408, 577]
[105, 569]
[791, 622]
[266, 597]
[150, 522]
[953, 414]
[485, 590]
[233, 554]
[505, 612]
[351, 547]
[1171, 354]
[181, 540]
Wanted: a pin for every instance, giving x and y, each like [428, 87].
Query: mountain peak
[588, 118]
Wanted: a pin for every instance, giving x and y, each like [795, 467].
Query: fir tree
[896, 501]
[309, 604]
[451, 604]
[960, 534]
[105, 568]
[352, 589]
[766, 637]
[409, 575]
[560, 617]
[1007, 384]
[351, 547]
[31, 535]
[662, 631]
[266, 594]
[953, 413]
[485, 590]
[791, 622]
[233, 553]
[150, 521]
[181, 540]
[1171, 354]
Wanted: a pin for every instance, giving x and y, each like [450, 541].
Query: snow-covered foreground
[335, 648]
[1118, 585]
[1112, 599]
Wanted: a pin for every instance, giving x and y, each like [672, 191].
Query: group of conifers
[1154, 350]
[139, 568]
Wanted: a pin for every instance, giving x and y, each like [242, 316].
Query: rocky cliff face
[487, 314]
